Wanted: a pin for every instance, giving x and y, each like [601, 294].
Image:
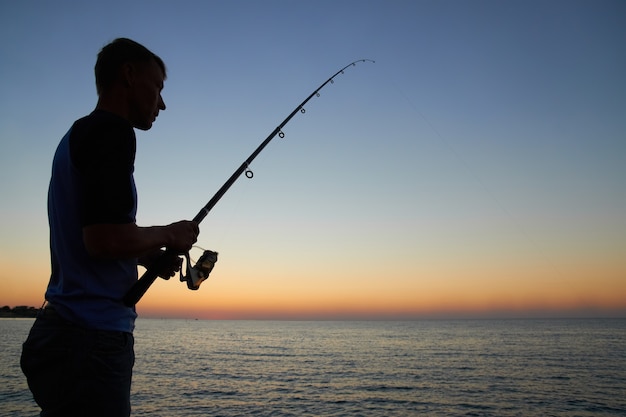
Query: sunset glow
[475, 170]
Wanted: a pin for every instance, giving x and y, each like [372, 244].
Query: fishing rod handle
[140, 287]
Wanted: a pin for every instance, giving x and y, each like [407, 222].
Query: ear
[127, 74]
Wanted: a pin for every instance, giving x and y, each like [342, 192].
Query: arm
[123, 241]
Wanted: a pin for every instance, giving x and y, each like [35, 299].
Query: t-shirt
[92, 183]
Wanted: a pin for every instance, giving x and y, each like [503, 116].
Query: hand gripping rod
[141, 286]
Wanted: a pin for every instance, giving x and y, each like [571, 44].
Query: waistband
[48, 311]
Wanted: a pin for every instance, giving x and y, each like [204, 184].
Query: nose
[161, 103]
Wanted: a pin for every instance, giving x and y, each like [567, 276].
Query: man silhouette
[79, 355]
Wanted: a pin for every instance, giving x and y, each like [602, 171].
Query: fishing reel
[198, 273]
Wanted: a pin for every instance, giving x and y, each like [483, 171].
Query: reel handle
[198, 273]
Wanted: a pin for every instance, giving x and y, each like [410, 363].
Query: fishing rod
[200, 272]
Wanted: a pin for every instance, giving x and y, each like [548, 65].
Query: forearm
[124, 241]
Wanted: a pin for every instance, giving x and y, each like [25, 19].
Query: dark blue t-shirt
[92, 183]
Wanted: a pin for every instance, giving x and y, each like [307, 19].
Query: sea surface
[553, 367]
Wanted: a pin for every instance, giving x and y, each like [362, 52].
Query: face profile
[129, 81]
[145, 100]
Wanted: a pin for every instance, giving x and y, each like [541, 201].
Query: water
[436, 368]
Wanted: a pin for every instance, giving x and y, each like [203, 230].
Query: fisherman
[79, 355]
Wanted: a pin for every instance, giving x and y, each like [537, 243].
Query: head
[129, 80]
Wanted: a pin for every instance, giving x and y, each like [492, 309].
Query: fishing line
[196, 247]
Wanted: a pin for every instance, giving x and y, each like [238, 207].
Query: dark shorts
[73, 371]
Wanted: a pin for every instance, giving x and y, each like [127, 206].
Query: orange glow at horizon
[344, 298]
[459, 291]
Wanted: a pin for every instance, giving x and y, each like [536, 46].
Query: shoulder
[100, 136]
[102, 124]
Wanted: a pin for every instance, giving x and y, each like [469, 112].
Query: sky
[476, 169]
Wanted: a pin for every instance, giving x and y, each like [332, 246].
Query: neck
[113, 103]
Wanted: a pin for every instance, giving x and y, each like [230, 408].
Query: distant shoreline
[18, 312]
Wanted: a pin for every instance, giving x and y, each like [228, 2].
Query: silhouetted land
[19, 311]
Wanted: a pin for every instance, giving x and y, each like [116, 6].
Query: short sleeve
[103, 151]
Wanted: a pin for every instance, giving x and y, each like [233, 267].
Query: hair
[117, 53]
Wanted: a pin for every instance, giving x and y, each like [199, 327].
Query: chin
[143, 126]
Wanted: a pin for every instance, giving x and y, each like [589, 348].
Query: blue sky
[485, 148]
